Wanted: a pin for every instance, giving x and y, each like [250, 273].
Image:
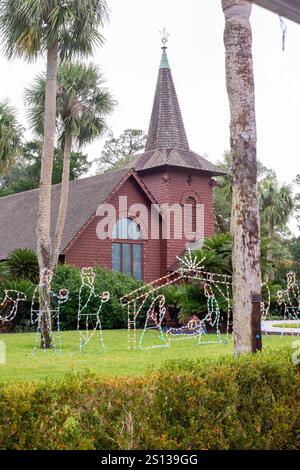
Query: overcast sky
[130, 60]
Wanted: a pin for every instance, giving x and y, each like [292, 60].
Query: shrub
[21, 263]
[113, 314]
[251, 402]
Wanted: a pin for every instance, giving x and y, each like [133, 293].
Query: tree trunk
[271, 236]
[270, 251]
[64, 195]
[245, 223]
[44, 214]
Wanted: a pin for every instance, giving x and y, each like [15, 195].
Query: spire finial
[164, 38]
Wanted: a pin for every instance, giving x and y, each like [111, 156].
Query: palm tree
[82, 107]
[245, 221]
[10, 136]
[62, 29]
[21, 263]
[277, 205]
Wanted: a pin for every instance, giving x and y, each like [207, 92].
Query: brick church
[168, 172]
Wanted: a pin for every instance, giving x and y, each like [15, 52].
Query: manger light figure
[10, 304]
[50, 316]
[89, 309]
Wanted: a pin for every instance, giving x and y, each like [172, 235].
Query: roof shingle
[18, 212]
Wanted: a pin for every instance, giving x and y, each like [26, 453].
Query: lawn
[287, 325]
[23, 365]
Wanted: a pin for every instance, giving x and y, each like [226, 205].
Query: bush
[113, 314]
[250, 402]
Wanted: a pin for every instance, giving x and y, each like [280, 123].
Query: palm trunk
[271, 236]
[44, 214]
[64, 195]
[245, 223]
[270, 251]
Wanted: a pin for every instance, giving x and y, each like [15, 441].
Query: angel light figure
[10, 304]
[44, 318]
[89, 309]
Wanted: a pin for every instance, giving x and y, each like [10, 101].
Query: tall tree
[10, 136]
[245, 222]
[82, 107]
[24, 174]
[66, 28]
[277, 205]
[118, 151]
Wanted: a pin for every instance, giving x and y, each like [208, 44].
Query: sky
[130, 59]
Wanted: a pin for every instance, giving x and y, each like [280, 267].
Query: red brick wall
[88, 250]
[174, 186]
[171, 186]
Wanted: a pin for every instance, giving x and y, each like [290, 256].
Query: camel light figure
[10, 305]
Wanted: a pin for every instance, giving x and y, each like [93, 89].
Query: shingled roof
[18, 212]
[167, 143]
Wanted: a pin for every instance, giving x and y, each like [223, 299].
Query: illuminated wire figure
[154, 321]
[212, 319]
[50, 316]
[266, 302]
[88, 321]
[190, 331]
[10, 304]
[290, 299]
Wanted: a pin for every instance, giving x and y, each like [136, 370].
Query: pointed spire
[166, 128]
[164, 63]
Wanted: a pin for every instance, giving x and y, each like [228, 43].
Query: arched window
[191, 201]
[127, 248]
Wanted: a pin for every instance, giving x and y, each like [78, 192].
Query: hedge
[250, 402]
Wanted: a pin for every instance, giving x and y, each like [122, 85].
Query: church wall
[88, 250]
[174, 186]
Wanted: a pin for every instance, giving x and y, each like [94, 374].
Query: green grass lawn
[23, 365]
[287, 325]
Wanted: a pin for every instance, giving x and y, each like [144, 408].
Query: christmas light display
[49, 316]
[190, 269]
[88, 320]
[153, 322]
[10, 304]
[289, 300]
[190, 331]
[266, 301]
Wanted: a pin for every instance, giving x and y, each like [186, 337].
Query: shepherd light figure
[51, 316]
[89, 309]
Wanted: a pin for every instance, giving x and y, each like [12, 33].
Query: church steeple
[166, 130]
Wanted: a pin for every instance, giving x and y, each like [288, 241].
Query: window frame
[124, 241]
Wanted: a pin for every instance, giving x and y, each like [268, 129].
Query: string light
[43, 318]
[265, 304]
[155, 318]
[289, 299]
[85, 317]
[11, 298]
[190, 263]
[190, 269]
